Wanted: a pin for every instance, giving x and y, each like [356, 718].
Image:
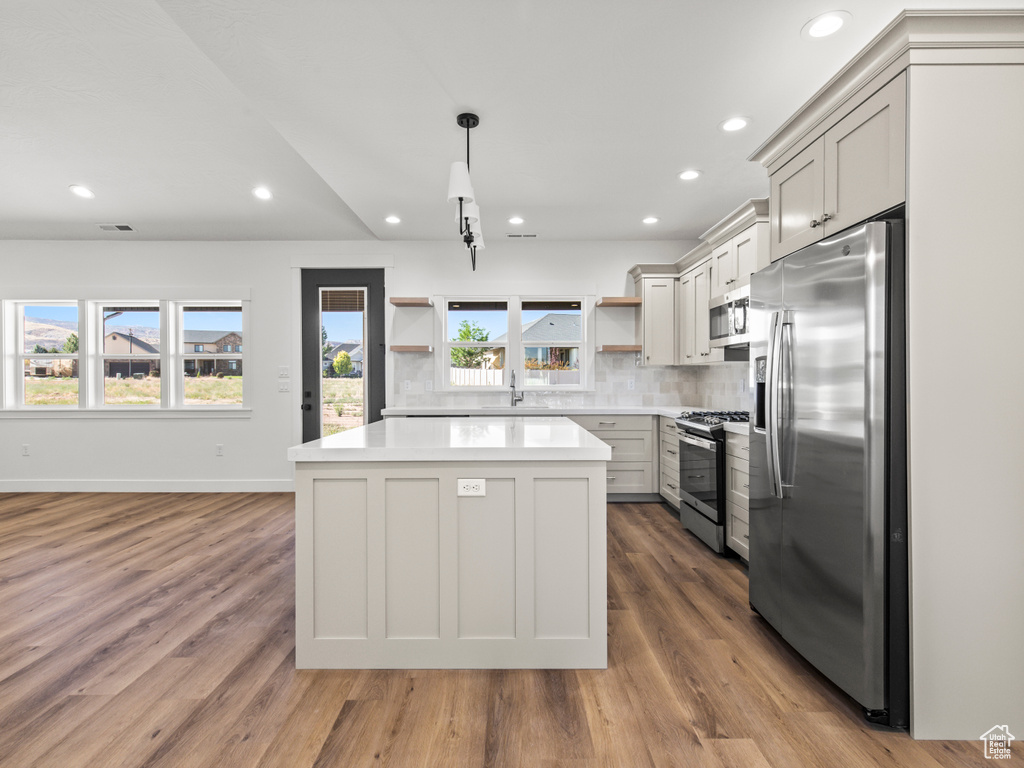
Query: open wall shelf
[620, 301]
[411, 301]
[619, 348]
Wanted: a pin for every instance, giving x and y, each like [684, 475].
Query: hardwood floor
[157, 630]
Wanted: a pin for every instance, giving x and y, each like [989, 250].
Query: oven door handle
[700, 443]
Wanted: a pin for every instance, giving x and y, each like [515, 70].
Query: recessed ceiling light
[825, 24]
[734, 124]
[262, 193]
[81, 191]
[689, 175]
[393, 219]
[651, 220]
[516, 220]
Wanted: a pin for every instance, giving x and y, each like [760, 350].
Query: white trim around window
[512, 347]
[161, 364]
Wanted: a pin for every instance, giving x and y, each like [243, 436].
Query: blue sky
[343, 326]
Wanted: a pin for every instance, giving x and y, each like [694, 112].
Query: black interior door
[361, 290]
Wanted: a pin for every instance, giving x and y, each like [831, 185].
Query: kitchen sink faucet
[516, 398]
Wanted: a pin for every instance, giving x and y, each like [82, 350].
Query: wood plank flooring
[157, 630]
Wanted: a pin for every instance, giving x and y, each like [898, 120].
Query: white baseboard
[147, 486]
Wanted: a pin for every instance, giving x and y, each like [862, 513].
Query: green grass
[343, 399]
[51, 391]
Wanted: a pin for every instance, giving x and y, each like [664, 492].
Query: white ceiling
[172, 110]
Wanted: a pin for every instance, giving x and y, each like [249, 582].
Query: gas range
[709, 423]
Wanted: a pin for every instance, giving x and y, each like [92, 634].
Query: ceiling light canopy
[825, 24]
[81, 191]
[460, 188]
[262, 193]
[734, 124]
[689, 175]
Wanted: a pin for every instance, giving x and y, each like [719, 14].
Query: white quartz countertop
[526, 410]
[491, 438]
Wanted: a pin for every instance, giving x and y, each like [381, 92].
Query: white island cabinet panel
[412, 562]
[561, 545]
[487, 562]
[395, 570]
[339, 541]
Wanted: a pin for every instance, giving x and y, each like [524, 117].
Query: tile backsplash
[721, 386]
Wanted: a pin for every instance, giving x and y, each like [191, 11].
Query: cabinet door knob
[826, 217]
[814, 223]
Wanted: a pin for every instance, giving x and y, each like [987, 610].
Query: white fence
[476, 377]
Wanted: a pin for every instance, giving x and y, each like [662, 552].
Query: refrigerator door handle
[785, 384]
[772, 406]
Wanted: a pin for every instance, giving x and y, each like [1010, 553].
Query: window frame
[515, 348]
[91, 357]
[179, 344]
[20, 357]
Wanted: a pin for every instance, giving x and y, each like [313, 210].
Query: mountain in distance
[53, 333]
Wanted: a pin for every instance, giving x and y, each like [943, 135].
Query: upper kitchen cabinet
[693, 298]
[656, 284]
[739, 246]
[856, 169]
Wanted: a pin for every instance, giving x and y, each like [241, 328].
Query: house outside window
[211, 377]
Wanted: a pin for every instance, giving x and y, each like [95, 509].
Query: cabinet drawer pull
[695, 477]
[814, 223]
[745, 448]
[668, 451]
[745, 536]
[746, 485]
[611, 477]
[669, 485]
[826, 217]
[609, 423]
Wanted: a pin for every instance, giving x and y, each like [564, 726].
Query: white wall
[966, 267]
[153, 454]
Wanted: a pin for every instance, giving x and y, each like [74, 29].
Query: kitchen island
[452, 543]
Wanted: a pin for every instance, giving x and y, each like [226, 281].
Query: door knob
[306, 407]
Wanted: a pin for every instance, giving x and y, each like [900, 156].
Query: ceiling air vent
[510, 234]
[116, 228]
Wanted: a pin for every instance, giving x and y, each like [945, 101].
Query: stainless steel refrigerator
[828, 530]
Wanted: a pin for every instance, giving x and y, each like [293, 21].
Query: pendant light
[460, 188]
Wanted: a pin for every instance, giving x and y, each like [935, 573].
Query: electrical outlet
[218, 449]
[284, 386]
[631, 384]
[24, 449]
[428, 385]
[472, 487]
[406, 385]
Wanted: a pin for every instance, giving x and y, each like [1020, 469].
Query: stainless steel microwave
[730, 318]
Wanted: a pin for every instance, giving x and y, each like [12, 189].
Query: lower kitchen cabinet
[737, 493]
[633, 466]
[668, 437]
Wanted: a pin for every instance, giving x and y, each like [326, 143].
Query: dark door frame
[373, 345]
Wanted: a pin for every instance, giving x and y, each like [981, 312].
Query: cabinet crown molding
[913, 37]
[750, 212]
[654, 270]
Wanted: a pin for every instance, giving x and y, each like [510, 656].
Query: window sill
[198, 412]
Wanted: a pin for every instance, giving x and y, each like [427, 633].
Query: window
[477, 343]
[211, 378]
[552, 332]
[134, 355]
[549, 351]
[47, 354]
